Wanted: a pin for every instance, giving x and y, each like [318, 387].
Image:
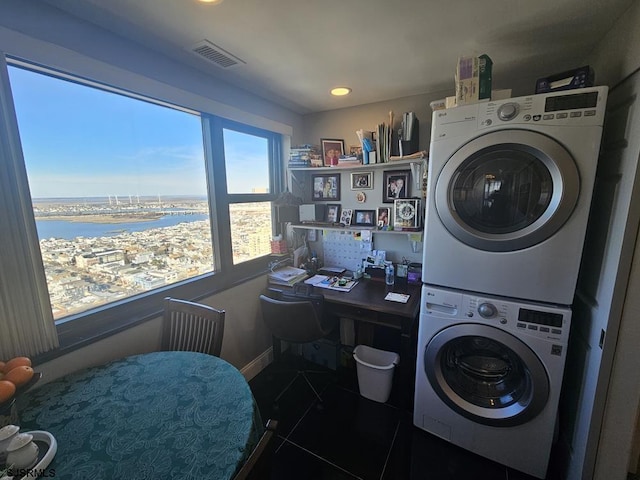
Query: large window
[127, 195]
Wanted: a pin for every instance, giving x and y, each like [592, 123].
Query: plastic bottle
[389, 273]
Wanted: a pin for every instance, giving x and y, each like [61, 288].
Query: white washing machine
[488, 375]
[509, 191]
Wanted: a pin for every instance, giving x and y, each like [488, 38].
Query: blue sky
[79, 141]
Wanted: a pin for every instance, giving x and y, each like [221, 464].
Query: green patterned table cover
[154, 416]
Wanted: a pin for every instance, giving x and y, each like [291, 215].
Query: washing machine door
[486, 375]
[507, 190]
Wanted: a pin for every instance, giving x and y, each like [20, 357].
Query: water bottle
[389, 273]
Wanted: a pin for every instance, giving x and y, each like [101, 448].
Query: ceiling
[294, 51]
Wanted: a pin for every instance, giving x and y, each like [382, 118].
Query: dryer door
[486, 375]
[507, 190]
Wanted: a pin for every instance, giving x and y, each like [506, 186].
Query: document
[397, 297]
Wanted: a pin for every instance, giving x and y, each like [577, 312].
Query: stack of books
[348, 160]
[287, 276]
[305, 156]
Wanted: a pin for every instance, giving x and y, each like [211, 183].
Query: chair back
[258, 465]
[193, 327]
[295, 321]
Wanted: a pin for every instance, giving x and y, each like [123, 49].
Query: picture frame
[332, 213]
[383, 216]
[325, 187]
[364, 218]
[332, 148]
[345, 216]
[395, 184]
[356, 150]
[362, 181]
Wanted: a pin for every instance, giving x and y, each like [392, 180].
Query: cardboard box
[473, 79]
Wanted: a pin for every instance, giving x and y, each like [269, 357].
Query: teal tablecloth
[159, 415]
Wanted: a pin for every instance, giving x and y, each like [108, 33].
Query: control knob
[508, 111]
[487, 310]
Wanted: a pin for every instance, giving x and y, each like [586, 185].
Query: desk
[156, 415]
[365, 303]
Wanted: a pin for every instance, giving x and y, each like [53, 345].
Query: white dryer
[509, 191]
[488, 375]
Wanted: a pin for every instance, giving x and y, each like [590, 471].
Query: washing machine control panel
[544, 321]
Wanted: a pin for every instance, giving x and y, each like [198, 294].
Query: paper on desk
[397, 297]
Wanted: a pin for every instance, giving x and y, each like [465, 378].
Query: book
[287, 276]
[331, 282]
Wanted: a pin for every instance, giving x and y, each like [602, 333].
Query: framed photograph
[361, 180]
[332, 212]
[365, 218]
[326, 187]
[395, 185]
[345, 216]
[331, 150]
[383, 215]
[356, 150]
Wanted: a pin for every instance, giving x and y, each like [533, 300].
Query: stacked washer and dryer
[509, 192]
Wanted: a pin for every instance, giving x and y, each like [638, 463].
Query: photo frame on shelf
[356, 150]
[345, 216]
[364, 218]
[332, 148]
[332, 214]
[362, 181]
[326, 187]
[396, 184]
[383, 214]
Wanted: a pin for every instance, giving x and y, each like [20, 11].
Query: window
[132, 202]
[248, 184]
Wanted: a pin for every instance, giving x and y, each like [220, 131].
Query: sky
[79, 141]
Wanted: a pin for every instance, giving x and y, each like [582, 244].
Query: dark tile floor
[352, 437]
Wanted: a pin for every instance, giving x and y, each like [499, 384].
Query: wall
[617, 57]
[246, 343]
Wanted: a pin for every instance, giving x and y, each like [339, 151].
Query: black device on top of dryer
[577, 78]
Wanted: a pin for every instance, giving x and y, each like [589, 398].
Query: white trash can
[375, 372]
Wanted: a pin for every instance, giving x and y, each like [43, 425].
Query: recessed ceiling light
[212, 2]
[339, 91]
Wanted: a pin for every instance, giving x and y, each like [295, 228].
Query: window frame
[84, 328]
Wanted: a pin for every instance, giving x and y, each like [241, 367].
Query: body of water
[70, 230]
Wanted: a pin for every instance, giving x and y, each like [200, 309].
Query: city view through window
[119, 191]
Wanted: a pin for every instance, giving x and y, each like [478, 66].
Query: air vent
[214, 54]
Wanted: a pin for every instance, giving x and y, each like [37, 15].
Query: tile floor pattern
[352, 437]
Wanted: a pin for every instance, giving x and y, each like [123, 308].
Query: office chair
[192, 327]
[295, 320]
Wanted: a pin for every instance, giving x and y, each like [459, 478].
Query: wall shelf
[395, 163]
[355, 228]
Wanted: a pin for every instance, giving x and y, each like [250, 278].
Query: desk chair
[295, 320]
[192, 327]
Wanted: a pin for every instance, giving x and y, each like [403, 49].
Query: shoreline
[105, 219]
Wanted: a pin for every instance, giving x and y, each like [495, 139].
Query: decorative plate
[361, 197]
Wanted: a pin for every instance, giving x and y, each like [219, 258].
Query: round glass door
[507, 190]
[486, 375]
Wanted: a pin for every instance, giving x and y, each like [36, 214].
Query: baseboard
[254, 367]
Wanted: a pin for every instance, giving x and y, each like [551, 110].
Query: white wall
[246, 343]
[616, 57]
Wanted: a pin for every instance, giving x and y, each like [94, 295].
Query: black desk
[365, 304]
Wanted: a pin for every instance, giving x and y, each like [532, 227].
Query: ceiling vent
[214, 54]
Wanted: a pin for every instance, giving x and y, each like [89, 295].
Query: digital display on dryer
[540, 318]
[571, 102]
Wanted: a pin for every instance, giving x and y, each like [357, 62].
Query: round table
[156, 415]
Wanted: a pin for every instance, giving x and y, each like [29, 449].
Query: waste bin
[375, 372]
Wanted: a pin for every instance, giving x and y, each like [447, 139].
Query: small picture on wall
[396, 185]
[362, 181]
[326, 187]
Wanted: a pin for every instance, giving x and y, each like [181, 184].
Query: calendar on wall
[346, 248]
